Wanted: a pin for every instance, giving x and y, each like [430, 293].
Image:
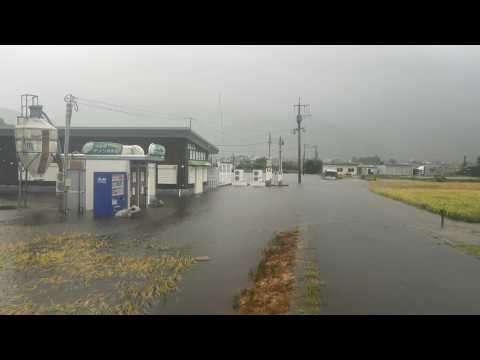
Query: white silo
[35, 140]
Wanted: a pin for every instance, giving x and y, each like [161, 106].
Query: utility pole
[280, 166]
[303, 162]
[298, 131]
[221, 115]
[269, 144]
[71, 103]
[280, 144]
[316, 152]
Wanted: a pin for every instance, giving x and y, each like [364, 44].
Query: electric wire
[137, 111]
[241, 145]
[130, 112]
[129, 108]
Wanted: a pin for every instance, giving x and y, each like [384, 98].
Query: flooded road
[375, 255]
[380, 256]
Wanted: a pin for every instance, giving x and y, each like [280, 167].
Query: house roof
[341, 164]
[399, 165]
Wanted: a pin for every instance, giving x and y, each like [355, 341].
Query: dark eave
[118, 132]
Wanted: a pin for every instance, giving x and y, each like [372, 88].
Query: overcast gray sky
[395, 101]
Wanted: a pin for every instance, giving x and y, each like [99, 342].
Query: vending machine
[110, 193]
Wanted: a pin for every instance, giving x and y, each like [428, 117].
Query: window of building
[339, 169]
[351, 169]
[195, 153]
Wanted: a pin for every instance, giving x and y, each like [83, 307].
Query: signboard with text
[102, 148]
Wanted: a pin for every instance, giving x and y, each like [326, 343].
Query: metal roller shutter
[167, 174]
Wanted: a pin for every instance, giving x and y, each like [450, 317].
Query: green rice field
[459, 200]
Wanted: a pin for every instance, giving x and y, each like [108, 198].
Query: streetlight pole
[71, 104]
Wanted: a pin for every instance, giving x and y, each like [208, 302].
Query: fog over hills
[8, 116]
[407, 102]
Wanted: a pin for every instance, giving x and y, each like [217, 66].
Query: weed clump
[274, 279]
[58, 270]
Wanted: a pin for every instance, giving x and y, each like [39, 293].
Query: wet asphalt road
[375, 255]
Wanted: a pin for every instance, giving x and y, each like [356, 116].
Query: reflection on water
[230, 225]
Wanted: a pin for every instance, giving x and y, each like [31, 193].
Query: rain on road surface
[375, 255]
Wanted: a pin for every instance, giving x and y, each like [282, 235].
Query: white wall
[241, 178]
[344, 169]
[395, 170]
[226, 174]
[198, 187]
[260, 177]
[367, 170]
[191, 174]
[152, 186]
[50, 174]
[92, 166]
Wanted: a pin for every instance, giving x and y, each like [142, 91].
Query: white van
[330, 175]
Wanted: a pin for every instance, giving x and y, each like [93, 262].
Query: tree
[475, 170]
[370, 160]
[289, 166]
[313, 166]
[244, 164]
[260, 163]
[471, 170]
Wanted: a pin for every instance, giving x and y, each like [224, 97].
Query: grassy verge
[419, 178]
[274, 279]
[81, 274]
[313, 286]
[471, 249]
[459, 200]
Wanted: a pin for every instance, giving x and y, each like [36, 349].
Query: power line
[130, 112]
[240, 145]
[129, 108]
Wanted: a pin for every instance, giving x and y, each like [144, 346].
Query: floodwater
[375, 255]
[230, 225]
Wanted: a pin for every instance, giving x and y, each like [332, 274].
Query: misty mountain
[7, 117]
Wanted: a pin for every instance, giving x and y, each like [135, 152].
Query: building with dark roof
[184, 147]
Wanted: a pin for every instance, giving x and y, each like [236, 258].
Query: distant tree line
[249, 165]
[313, 166]
[473, 170]
[373, 160]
